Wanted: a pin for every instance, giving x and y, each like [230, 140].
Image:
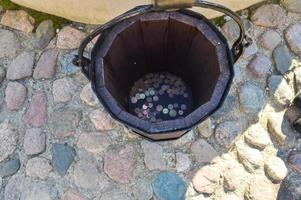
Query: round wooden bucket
[151, 40]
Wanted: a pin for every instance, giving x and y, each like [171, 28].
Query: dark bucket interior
[141, 48]
[159, 43]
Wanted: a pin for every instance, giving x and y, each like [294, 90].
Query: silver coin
[175, 105]
[146, 93]
[152, 92]
[161, 92]
[134, 100]
[156, 98]
[144, 107]
[183, 107]
[181, 112]
[142, 96]
[173, 113]
[149, 99]
[170, 106]
[165, 111]
[159, 108]
[150, 105]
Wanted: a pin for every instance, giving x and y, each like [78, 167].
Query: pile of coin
[159, 97]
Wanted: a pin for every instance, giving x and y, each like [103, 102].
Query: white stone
[276, 169]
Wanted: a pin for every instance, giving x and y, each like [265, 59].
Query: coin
[165, 111]
[181, 112]
[150, 105]
[170, 106]
[142, 96]
[175, 105]
[159, 108]
[134, 100]
[156, 98]
[144, 106]
[183, 107]
[173, 113]
[149, 99]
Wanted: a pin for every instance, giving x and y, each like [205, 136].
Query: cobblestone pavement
[57, 142]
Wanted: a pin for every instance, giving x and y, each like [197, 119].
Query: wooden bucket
[148, 40]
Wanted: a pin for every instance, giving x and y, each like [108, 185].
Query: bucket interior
[159, 43]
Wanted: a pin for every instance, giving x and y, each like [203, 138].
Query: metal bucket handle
[237, 48]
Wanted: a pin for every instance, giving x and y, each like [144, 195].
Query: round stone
[276, 169]
[15, 95]
[62, 157]
[270, 39]
[256, 135]
[21, 67]
[47, 64]
[38, 167]
[283, 59]
[87, 176]
[252, 98]
[34, 141]
[153, 156]
[269, 15]
[95, 142]
[63, 90]
[64, 121]
[206, 180]
[260, 66]
[101, 120]
[18, 19]
[36, 114]
[227, 131]
[293, 38]
[9, 167]
[252, 159]
[119, 164]
[203, 151]
[70, 38]
[42, 36]
[8, 140]
[169, 186]
[9, 43]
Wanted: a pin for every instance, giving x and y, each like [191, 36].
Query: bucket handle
[237, 49]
